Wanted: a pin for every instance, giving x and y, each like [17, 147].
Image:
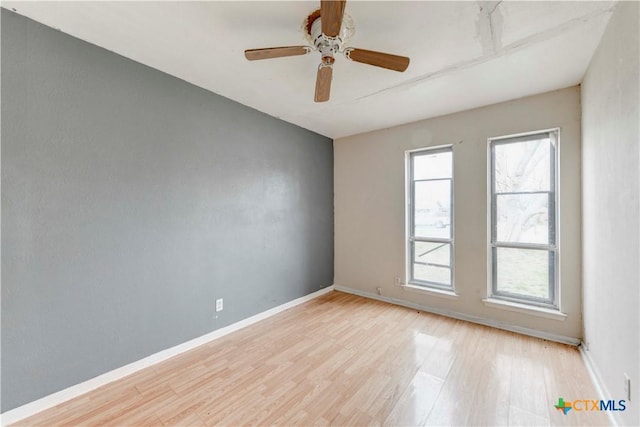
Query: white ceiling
[463, 54]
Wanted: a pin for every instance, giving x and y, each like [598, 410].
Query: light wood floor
[345, 360]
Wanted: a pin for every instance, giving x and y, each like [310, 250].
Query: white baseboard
[596, 379]
[461, 316]
[61, 396]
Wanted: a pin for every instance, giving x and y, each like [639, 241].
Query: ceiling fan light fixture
[327, 61]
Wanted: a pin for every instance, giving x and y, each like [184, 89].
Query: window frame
[410, 238]
[553, 245]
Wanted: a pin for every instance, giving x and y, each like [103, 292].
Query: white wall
[369, 205]
[610, 207]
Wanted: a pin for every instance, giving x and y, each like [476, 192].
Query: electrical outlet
[627, 387]
[379, 290]
[219, 305]
[398, 281]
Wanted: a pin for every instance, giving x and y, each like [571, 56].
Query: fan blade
[378, 59]
[331, 13]
[275, 52]
[323, 83]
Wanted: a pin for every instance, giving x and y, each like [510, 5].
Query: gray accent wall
[131, 200]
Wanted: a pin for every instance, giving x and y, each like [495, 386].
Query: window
[430, 210]
[523, 218]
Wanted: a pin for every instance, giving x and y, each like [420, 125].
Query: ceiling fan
[324, 26]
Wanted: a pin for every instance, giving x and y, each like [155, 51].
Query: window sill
[430, 291]
[523, 308]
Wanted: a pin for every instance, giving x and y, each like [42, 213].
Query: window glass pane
[432, 253]
[432, 263]
[432, 166]
[431, 190]
[522, 166]
[434, 275]
[523, 272]
[432, 209]
[523, 218]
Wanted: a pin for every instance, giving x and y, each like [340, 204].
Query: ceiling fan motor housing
[326, 45]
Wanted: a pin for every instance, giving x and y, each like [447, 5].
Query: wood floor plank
[492, 390]
[416, 402]
[190, 419]
[451, 407]
[346, 360]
